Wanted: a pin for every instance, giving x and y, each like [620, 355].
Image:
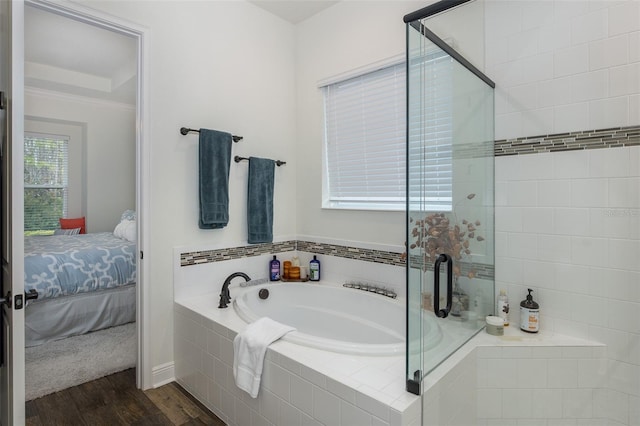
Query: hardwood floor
[114, 400]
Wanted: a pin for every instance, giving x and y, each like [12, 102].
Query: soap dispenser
[529, 314]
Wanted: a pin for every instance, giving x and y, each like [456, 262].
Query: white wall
[344, 37]
[224, 65]
[109, 153]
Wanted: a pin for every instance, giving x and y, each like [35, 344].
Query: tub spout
[225, 296]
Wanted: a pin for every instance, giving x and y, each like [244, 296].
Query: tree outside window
[46, 172]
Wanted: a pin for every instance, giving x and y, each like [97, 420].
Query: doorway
[88, 72]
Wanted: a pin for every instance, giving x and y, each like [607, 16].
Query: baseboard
[163, 374]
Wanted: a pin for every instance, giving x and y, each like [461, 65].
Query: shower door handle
[442, 313]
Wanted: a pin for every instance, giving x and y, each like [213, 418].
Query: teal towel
[260, 200]
[214, 162]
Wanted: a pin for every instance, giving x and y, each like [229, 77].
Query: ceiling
[85, 60]
[294, 11]
[82, 60]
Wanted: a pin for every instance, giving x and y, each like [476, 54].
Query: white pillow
[126, 229]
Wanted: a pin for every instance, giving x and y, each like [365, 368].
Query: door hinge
[413, 385]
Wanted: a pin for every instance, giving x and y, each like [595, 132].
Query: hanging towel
[260, 200]
[214, 161]
[249, 348]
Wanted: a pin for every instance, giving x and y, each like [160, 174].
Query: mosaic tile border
[367, 255]
[616, 137]
[220, 255]
[481, 270]
[355, 253]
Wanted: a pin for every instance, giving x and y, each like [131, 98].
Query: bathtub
[334, 318]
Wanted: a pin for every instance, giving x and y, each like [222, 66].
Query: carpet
[64, 363]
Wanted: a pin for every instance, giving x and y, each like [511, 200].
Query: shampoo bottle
[529, 314]
[502, 307]
[274, 269]
[314, 269]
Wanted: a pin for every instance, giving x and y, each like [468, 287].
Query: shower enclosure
[450, 202]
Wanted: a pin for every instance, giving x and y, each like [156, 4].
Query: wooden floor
[114, 400]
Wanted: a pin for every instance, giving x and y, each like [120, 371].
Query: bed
[85, 283]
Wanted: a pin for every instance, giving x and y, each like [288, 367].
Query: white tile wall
[553, 383]
[578, 247]
[563, 65]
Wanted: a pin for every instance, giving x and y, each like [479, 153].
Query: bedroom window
[46, 175]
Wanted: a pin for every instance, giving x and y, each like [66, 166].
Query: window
[365, 141]
[46, 173]
[365, 137]
[431, 132]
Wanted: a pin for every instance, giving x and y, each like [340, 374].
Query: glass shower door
[450, 202]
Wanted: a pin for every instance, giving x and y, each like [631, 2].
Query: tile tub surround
[307, 386]
[300, 385]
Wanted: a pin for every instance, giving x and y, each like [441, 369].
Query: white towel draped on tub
[249, 348]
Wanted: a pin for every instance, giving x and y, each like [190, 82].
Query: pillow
[128, 215]
[126, 229]
[73, 223]
[73, 231]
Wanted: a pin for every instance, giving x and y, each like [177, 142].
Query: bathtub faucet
[225, 296]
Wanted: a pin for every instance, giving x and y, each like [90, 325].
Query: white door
[12, 408]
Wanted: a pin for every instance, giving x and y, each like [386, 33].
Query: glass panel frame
[463, 229]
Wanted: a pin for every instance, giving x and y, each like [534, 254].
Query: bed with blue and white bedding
[85, 282]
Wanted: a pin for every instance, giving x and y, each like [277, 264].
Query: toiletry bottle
[274, 268]
[529, 314]
[502, 307]
[314, 269]
[477, 304]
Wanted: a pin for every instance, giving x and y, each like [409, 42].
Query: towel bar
[186, 130]
[238, 159]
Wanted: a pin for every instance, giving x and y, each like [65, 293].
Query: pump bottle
[529, 314]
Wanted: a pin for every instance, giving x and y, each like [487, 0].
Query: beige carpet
[69, 362]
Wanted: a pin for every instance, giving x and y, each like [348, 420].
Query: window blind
[46, 172]
[430, 142]
[365, 140]
[365, 137]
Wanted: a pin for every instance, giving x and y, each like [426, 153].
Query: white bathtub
[333, 318]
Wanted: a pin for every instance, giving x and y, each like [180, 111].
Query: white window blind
[366, 118]
[431, 132]
[46, 173]
[365, 122]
